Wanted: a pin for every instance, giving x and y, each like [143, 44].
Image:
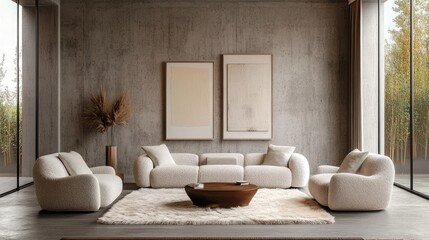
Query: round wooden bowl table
[222, 195]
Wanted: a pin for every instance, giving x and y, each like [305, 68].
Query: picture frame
[247, 97]
[189, 100]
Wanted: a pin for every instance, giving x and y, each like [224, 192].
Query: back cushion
[352, 162]
[222, 161]
[254, 159]
[74, 163]
[160, 155]
[185, 159]
[238, 156]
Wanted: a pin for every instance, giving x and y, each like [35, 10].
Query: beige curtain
[355, 74]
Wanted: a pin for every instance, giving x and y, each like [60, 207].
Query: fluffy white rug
[173, 206]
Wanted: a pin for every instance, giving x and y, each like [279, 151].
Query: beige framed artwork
[247, 97]
[189, 93]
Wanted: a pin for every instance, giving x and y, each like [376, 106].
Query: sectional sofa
[221, 167]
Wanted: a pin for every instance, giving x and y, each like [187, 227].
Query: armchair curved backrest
[49, 167]
[376, 164]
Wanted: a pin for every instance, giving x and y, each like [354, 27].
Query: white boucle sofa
[192, 168]
[367, 190]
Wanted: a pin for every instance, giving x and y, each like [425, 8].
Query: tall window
[405, 40]
[9, 92]
[29, 58]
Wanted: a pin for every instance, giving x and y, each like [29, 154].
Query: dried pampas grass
[101, 117]
[121, 110]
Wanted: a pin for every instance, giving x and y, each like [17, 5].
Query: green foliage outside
[397, 82]
[8, 118]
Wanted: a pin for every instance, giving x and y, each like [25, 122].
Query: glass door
[405, 38]
[396, 44]
[421, 96]
[9, 77]
[29, 84]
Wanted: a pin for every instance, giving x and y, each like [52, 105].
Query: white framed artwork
[189, 100]
[247, 97]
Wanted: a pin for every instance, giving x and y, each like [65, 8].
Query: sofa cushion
[74, 163]
[238, 156]
[186, 159]
[160, 155]
[268, 176]
[278, 155]
[220, 173]
[254, 159]
[352, 161]
[319, 187]
[222, 161]
[173, 176]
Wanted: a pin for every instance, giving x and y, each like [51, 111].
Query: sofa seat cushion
[319, 187]
[173, 176]
[220, 173]
[268, 176]
[110, 188]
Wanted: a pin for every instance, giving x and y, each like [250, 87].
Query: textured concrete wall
[123, 45]
[48, 79]
[28, 93]
[48, 84]
[370, 76]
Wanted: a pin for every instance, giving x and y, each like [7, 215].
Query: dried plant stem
[101, 118]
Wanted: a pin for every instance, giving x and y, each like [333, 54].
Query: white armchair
[367, 190]
[56, 190]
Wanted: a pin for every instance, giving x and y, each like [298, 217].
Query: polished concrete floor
[420, 182]
[9, 183]
[21, 218]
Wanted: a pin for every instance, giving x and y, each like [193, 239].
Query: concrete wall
[123, 45]
[28, 93]
[48, 84]
[48, 79]
[370, 77]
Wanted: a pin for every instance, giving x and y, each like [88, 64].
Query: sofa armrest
[75, 193]
[298, 165]
[103, 170]
[355, 192]
[326, 169]
[143, 165]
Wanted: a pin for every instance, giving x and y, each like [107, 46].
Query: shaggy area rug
[173, 206]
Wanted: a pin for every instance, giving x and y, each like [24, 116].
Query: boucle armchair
[367, 190]
[56, 190]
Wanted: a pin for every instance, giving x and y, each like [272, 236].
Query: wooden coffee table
[222, 195]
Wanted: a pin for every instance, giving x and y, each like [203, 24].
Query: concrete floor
[21, 218]
[420, 182]
[9, 183]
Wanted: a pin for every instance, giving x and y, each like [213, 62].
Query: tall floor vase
[111, 156]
